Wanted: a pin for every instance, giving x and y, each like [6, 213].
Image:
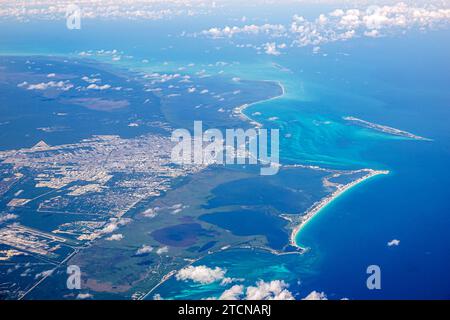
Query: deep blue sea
[402, 82]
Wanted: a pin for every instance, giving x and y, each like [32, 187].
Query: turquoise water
[406, 89]
[400, 82]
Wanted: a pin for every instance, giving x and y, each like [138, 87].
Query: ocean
[401, 82]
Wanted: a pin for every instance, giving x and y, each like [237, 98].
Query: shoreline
[171, 273]
[324, 202]
[240, 110]
[384, 129]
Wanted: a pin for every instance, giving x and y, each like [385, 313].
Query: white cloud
[94, 86]
[228, 280]
[43, 274]
[90, 80]
[59, 85]
[7, 217]
[273, 290]
[114, 224]
[115, 237]
[341, 25]
[109, 228]
[372, 33]
[151, 212]
[322, 19]
[337, 13]
[234, 293]
[267, 29]
[271, 49]
[393, 242]
[162, 250]
[110, 9]
[201, 274]
[157, 297]
[83, 296]
[315, 295]
[144, 250]
[351, 19]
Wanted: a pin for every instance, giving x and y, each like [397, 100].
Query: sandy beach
[319, 205]
[240, 110]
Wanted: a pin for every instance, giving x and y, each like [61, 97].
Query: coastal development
[318, 206]
[180, 150]
[239, 111]
[118, 199]
[103, 165]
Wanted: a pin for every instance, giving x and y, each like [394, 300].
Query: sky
[346, 20]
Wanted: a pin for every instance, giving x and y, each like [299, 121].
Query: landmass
[384, 129]
[321, 204]
[104, 195]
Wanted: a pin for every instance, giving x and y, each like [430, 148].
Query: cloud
[228, 280]
[151, 212]
[162, 250]
[84, 296]
[144, 250]
[114, 224]
[271, 49]
[372, 33]
[43, 274]
[268, 29]
[108, 9]
[157, 297]
[109, 228]
[201, 274]
[315, 295]
[340, 25]
[234, 293]
[59, 85]
[115, 237]
[272, 290]
[393, 242]
[90, 80]
[7, 217]
[94, 86]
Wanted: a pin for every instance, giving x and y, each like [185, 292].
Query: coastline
[321, 204]
[240, 110]
[384, 129]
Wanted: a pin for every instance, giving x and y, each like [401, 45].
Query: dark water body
[181, 235]
[289, 191]
[249, 222]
